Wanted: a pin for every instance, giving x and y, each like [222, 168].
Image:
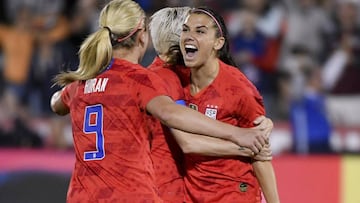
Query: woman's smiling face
[198, 40]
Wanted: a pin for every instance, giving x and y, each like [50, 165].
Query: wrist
[243, 151]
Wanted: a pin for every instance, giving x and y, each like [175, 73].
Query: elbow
[168, 116]
[189, 150]
[60, 112]
[188, 147]
[57, 106]
[184, 141]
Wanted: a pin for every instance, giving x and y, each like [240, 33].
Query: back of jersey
[111, 139]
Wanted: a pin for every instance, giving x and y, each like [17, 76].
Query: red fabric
[165, 152]
[125, 173]
[233, 99]
[68, 94]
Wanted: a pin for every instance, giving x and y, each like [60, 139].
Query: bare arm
[211, 146]
[185, 119]
[208, 146]
[57, 105]
[266, 176]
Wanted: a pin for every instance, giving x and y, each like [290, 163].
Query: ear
[219, 43]
[143, 38]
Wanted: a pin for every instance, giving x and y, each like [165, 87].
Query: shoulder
[161, 68]
[165, 73]
[233, 74]
[69, 91]
[132, 70]
[156, 64]
[236, 78]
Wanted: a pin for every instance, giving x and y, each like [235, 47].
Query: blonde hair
[165, 29]
[119, 22]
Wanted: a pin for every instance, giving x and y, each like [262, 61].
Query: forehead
[198, 19]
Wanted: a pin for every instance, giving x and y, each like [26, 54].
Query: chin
[192, 65]
[189, 64]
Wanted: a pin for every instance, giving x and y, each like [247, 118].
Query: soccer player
[165, 28]
[108, 98]
[220, 91]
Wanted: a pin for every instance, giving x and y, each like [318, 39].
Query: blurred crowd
[302, 55]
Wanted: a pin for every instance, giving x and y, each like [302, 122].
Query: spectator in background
[341, 70]
[256, 37]
[248, 46]
[27, 45]
[83, 15]
[53, 53]
[305, 103]
[17, 42]
[311, 127]
[306, 25]
[342, 67]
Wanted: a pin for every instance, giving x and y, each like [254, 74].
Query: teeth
[190, 46]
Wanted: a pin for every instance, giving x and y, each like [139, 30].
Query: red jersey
[165, 152]
[111, 138]
[230, 98]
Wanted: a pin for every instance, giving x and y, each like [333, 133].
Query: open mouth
[190, 51]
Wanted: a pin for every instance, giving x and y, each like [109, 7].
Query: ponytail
[120, 21]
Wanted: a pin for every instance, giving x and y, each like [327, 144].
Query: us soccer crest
[211, 111]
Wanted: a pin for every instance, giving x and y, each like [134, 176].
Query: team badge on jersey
[193, 106]
[243, 187]
[211, 111]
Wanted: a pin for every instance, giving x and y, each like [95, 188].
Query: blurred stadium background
[303, 56]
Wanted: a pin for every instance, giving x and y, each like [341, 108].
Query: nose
[187, 36]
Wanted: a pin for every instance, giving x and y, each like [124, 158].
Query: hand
[255, 138]
[251, 138]
[265, 154]
[265, 125]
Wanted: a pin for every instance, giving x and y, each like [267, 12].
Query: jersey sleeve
[68, 93]
[149, 85]
[250, 107]
[172, 83]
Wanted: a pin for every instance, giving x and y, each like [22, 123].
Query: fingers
[258, 144]
[259, 120]
[255, 149]
[264, 155]
[262, 140]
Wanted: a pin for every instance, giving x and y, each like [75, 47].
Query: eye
[200, 31]
[185, 29]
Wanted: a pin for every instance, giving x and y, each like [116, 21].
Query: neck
[132, 55]
[203, 76]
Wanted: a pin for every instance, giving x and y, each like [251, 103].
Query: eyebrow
[198, 27]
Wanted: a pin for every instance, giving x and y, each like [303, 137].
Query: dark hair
[224, 53]
[175, 56]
